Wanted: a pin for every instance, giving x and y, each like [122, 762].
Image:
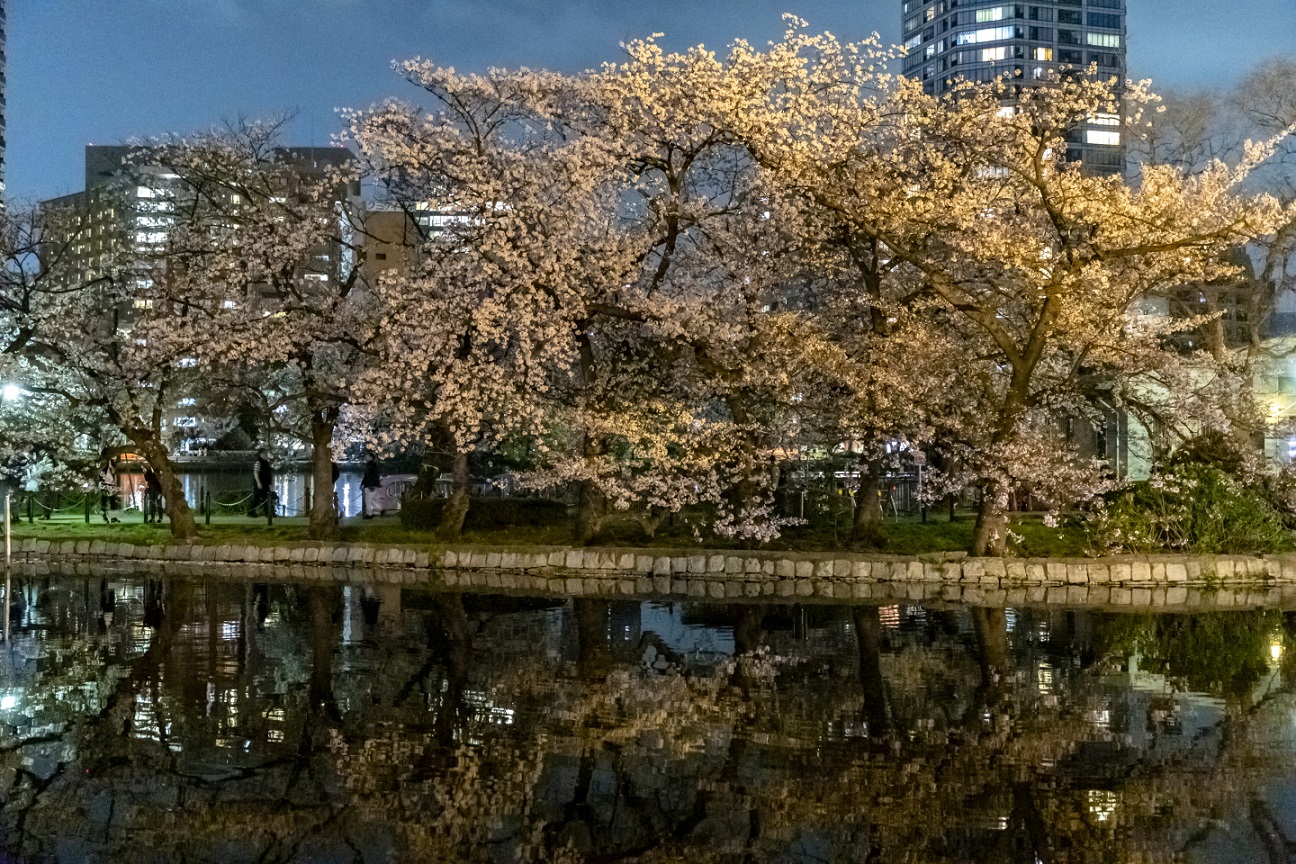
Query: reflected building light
[8, 702]
[1101, 804]
[890, 617]
[1275, 651]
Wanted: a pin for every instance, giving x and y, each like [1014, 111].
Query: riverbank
[690, 573]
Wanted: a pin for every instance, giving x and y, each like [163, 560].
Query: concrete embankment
[1194, 582]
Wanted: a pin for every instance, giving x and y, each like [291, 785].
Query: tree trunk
[177, 509]
[323, 505]
[456, 509]
[990, 536]
[867, 529]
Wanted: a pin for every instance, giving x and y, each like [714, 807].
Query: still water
[168, 720]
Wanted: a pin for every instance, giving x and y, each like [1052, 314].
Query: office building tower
[3, 66]
[951, 40]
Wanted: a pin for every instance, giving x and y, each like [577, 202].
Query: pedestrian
[107, 486]
[262, 484]
[370, 483]
[152, 496]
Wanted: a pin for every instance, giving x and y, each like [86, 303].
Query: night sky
[100, 71]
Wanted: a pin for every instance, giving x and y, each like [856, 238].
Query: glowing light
[10, 392]
[1275, 651]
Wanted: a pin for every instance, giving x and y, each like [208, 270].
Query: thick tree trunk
[177, 509]
[990, 536]
[456, 509]
[867, 529]
[323, 504]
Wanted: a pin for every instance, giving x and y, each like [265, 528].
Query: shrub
[424, 514]
[1191, 507]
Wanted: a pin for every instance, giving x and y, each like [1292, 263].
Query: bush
[424, 514]
[1192, 507]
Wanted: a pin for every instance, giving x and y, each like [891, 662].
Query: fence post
[207, 505]
[306, 506]
[30, 518]
[270, 506]
[87, 508]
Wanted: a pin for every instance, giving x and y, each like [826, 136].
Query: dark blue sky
[104, 70]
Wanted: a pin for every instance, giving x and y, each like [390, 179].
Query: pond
[149, 719]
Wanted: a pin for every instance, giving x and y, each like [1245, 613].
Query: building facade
[974, 40]
[4, 64]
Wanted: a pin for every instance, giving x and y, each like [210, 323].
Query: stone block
[824, 589]
[42, 547]
[82, 547]
[804, 588]
[1077, 573]
[973, 596]
[861, 571]
[1055, 595]
[338, 556]
[1035, 572]
[1141, 596]
[661, 565]
[626, 562]
[1015, 570]
[733, 589]
[679, 564]
[841, 568]
[752, 589]
[697, 587]
[716, 590]
[861, 591]
[715, 564]
[661, 584]
[995, 567]
[625, 586]
[1077, 595]
[1055, 571]
[419, 559]
[785, 568]
[557, 559]
[643, 585]
[643, 564]
[914, 571]
[1099, 573]
[784, 588]
[493, 560]
[574, 586]
[822, 570]
[1036, 593]
[804, 569]
[1140, 571]
[733, 564]
[973, 569]
[751, 565]
[1176, 572]
[697, 564]
[574, 559]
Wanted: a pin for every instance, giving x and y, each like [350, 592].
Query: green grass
[906, 536]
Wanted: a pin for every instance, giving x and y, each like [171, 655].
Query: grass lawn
[905, 536]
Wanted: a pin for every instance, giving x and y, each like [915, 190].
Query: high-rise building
[3, 66]
[975, 40]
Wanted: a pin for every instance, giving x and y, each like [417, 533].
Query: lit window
[1103, 40]
[995, 13]
[144, 192]
[990, 55]
[1102, 136]
[143, 303]
[1042, 54]
[987, 34]
[1105, 119]
[187, 402]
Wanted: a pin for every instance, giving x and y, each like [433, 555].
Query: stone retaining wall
[721, 574]
[719, 588]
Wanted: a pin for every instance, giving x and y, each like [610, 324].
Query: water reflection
[192, 720]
